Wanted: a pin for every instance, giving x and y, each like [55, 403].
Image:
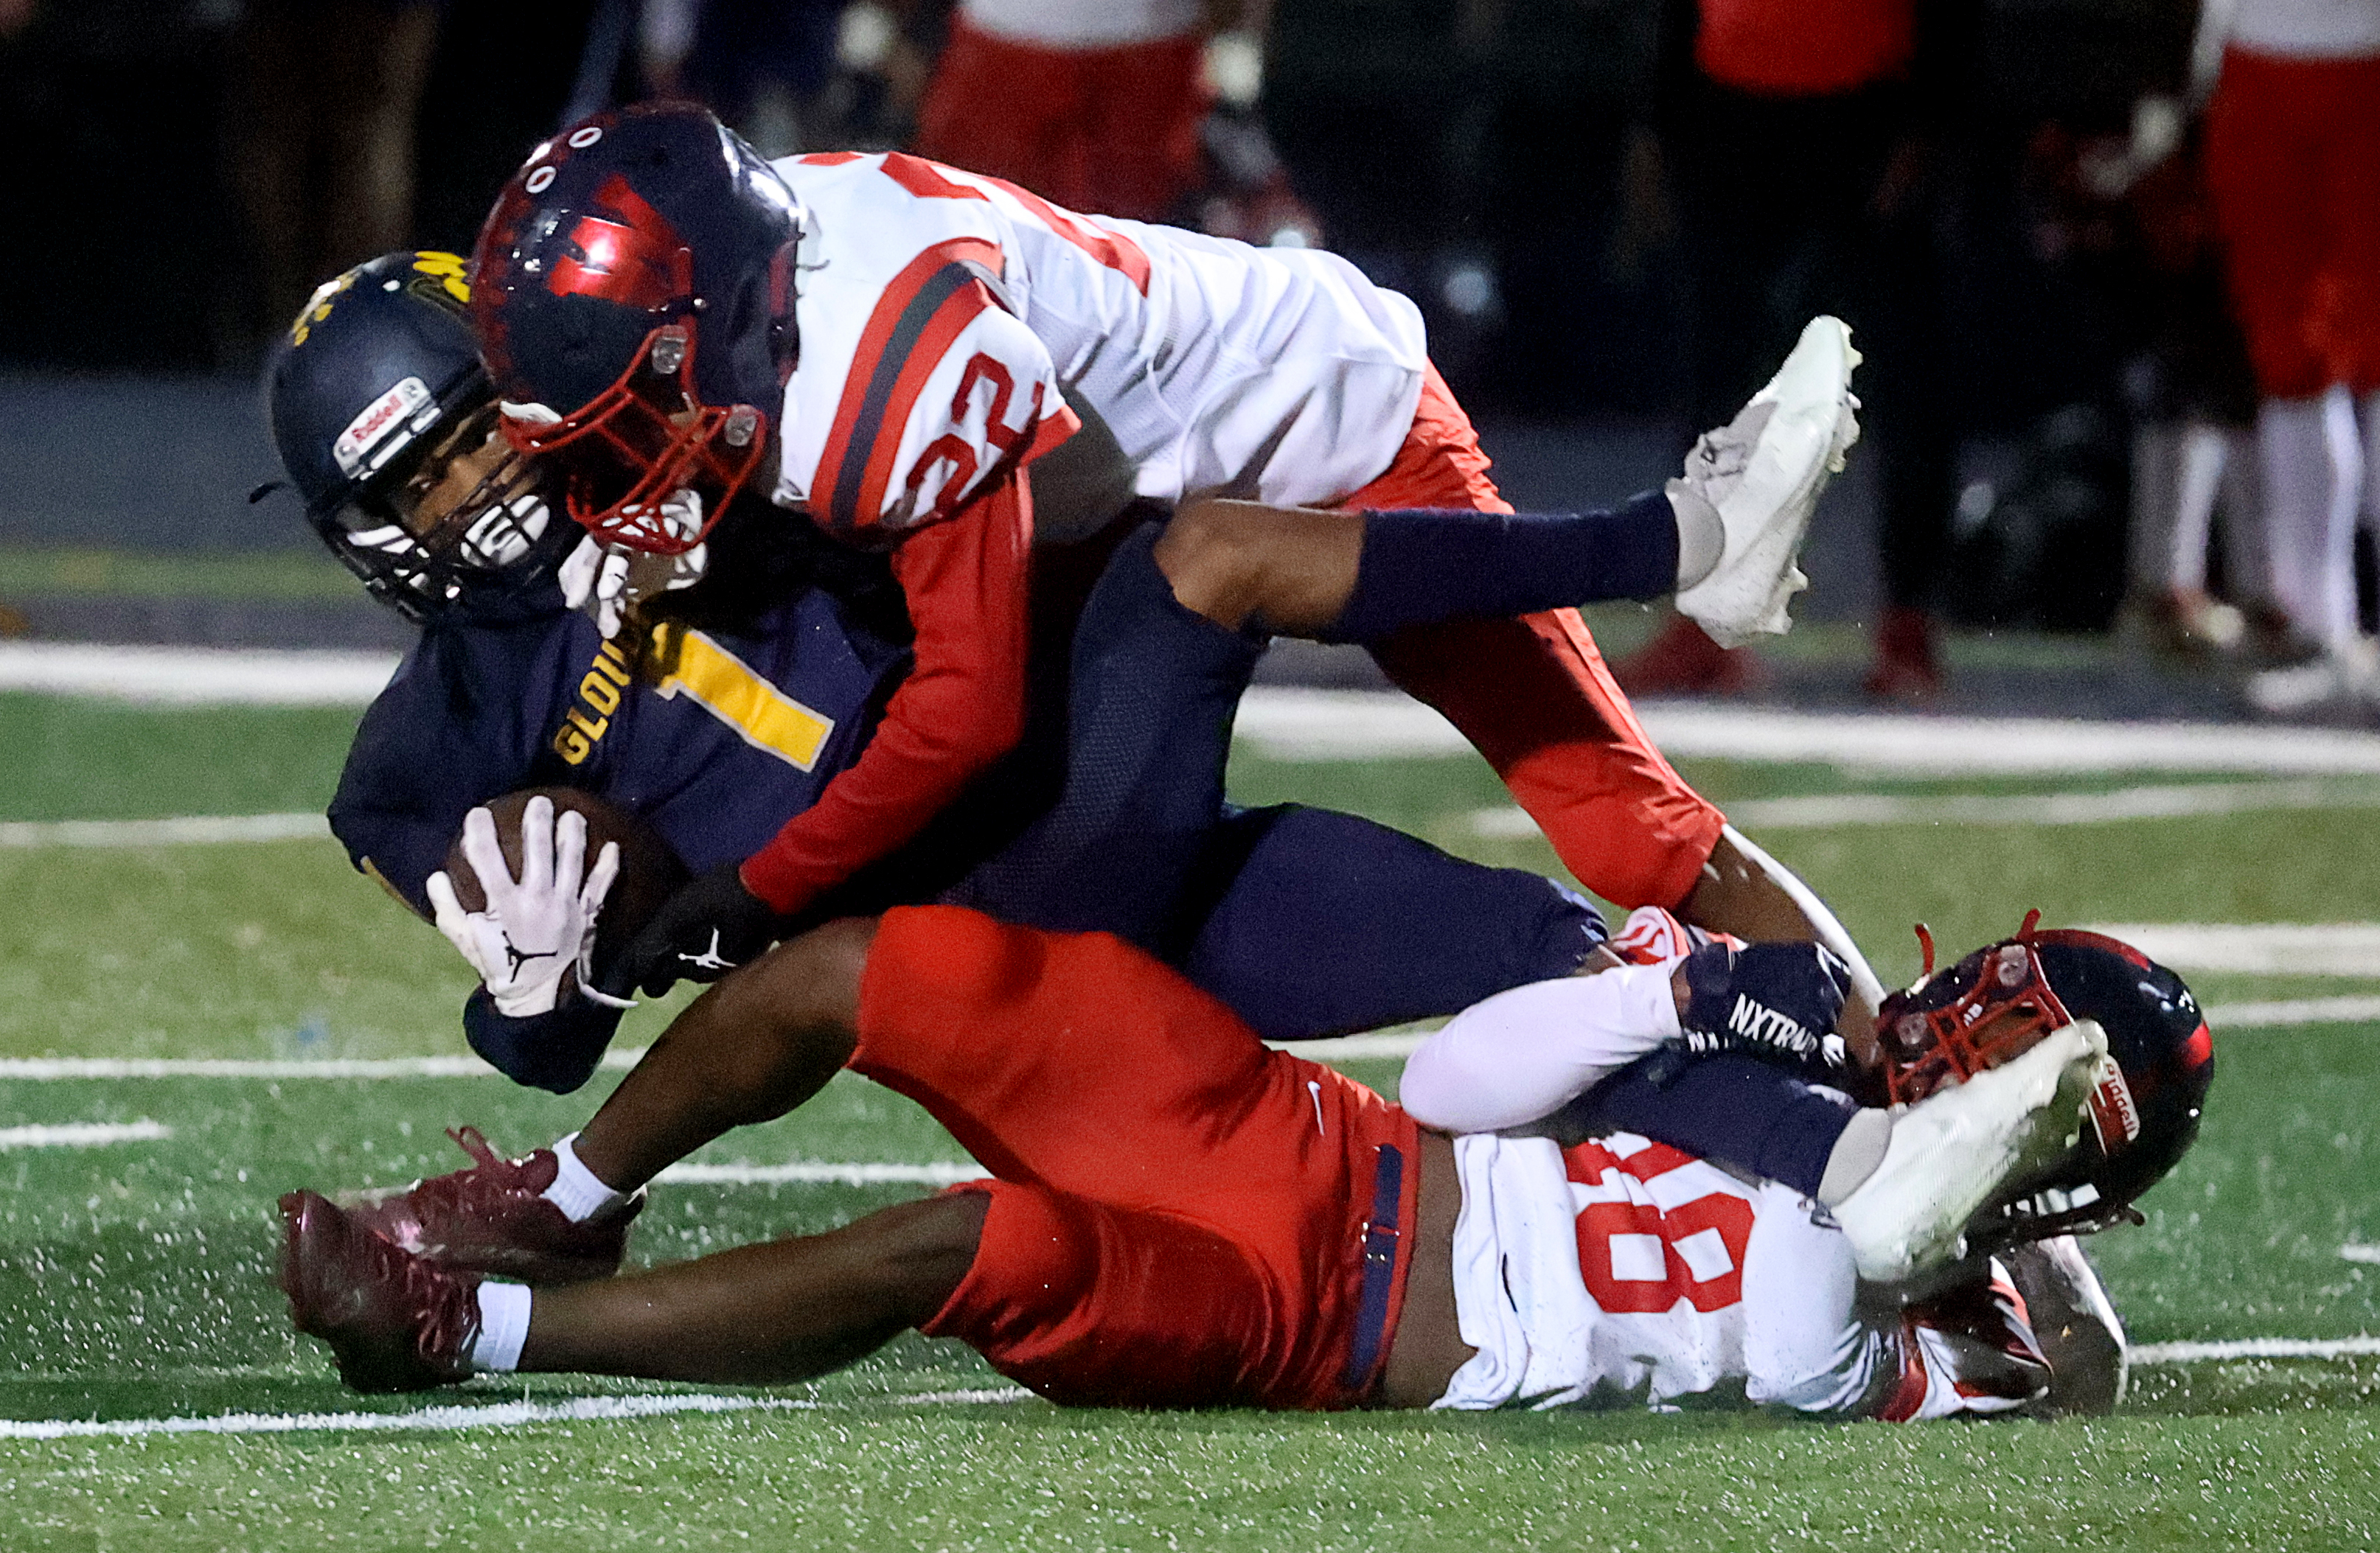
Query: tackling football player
[1178, 1217]
[729, 707]
[897, 347]
[1306, 922]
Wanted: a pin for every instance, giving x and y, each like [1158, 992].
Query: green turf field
[134, 1276]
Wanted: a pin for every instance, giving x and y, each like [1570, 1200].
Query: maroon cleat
[493, 1218]
[394, 1322]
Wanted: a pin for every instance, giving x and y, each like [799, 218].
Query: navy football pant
[1306, 922]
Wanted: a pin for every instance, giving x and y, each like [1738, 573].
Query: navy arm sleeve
[459, 724]
[557, 1051]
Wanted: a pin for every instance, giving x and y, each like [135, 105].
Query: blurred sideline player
[1179, 1217]
[897, 347]
[2292, 143]
[1093, 104]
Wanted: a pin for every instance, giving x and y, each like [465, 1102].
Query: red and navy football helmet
[2145, 1098]
[633, 291]
[373, 385]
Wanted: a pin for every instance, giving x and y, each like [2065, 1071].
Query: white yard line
[2293, 1011]
[516, 1414]
[2254, 1348]
[188, 831]
[497, 1415]
[1289, 723]
[51, 1070]
[1342, 1048]
[1293, 724]
[1839, 810]
[84, 1135]
[196, 676]
[55, 1070]
[822, 1172]
[2257, 948]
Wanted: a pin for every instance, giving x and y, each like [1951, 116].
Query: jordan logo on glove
[519, 956]
[547, 914]
[709, 959]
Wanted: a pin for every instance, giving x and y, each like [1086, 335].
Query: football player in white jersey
[1176, 1215]
[911, 354]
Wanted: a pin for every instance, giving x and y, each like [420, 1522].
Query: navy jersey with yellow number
[713, 739]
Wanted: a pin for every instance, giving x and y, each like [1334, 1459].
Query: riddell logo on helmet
[356, 442]
[2113, 1114]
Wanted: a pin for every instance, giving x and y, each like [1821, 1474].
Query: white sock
[1856, 1155]
[504, 1328]
[2293, 445]
[1702, 537]
[2203, 453]
[575, 1190]
[2367, 415]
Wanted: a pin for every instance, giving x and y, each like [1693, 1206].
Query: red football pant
[1179, 1213]
[1113, 131]
[2293, 158]
[1535, 697]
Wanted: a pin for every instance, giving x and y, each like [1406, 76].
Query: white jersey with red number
[1622, 1272]
[940, 311]
[2308, 29]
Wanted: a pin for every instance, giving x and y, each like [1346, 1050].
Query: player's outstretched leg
[1361, 577]
[1762, 473]
[759, 1314]
[765, 1314]
[751, 1049]
[1724, 538]
[1962, 1148]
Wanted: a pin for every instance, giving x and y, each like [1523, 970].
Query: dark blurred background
[1536, 174]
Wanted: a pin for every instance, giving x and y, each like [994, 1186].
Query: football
[649, 871]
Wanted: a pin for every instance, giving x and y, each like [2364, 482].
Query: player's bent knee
[1032, 1262]
[812, 981]
[1211, 554]
[925, 1250]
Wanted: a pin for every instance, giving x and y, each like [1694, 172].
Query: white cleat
[1960, 1150]
[1762, 473]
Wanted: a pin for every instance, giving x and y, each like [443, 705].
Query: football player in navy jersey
[728, 705]
[724, 708]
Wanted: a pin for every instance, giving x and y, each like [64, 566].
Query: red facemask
[624, 452]
[1988, 1008]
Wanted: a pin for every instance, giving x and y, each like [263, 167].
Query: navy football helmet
[373, 393]
[633, 291]
[2145, 1098]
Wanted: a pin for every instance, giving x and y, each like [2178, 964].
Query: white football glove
[602, 580]
[536, 929]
